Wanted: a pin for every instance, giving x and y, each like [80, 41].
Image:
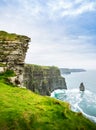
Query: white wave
[86, 115]
[84, 102]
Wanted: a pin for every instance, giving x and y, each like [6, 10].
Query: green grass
[4, 36]
[21, 109]
[5, 75]
[40, 67]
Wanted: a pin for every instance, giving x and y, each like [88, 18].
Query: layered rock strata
[13, 49]
[43, 79]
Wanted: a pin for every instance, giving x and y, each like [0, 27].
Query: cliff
[13, 49]
[39, 79]
[43, 79]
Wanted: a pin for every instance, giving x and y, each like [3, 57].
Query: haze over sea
[84, 102]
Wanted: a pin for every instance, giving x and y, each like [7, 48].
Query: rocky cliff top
[5, 37]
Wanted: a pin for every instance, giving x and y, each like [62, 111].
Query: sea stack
[82, 88]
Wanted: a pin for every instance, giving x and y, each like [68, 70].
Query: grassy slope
[20, 109]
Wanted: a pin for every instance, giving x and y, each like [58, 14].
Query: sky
[62, 32]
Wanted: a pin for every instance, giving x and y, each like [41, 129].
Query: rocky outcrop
[43, 79]
[81, 87]
[13, 49]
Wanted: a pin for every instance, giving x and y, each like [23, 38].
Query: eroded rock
[82, 87]
[13, 49]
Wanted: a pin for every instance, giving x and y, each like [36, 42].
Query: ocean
[84, 102]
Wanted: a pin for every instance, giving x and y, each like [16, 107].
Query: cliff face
[43, 80]
[13, 49]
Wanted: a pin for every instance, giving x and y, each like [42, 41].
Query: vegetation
[8, 73]
[39, 67]
[21, 109]
[4, 36]
[2, 65]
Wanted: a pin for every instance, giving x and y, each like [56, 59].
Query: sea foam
[84, 102]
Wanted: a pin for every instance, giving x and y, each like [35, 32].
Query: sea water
[84, 102]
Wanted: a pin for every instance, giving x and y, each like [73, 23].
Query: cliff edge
[13, 49]
[39, 79]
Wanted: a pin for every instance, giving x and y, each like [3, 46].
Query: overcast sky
[62, 32]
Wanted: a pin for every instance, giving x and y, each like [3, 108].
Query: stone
[1, 69]
[81, 87]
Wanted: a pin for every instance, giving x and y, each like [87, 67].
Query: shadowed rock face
[43, 80]
[13, 49]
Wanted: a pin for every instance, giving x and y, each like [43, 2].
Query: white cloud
[61, 8]
[79, 1]
[53, 9]
[51, 42]
[85, 8]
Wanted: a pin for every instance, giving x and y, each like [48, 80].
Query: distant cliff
[69, 71]
[43, 79]
[13, 49]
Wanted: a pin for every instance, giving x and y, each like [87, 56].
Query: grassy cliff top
[5, 36]
[41, 67]
[21, 109]
[38, 68]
